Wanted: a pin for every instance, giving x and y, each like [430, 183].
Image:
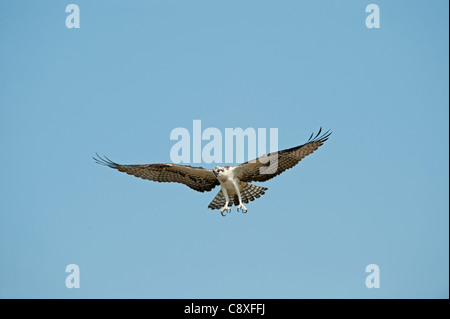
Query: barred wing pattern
[270, 165]
[197, 178]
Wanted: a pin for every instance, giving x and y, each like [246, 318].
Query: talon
[225, 209]
[242, 209]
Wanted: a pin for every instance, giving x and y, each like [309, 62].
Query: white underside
[230, 186]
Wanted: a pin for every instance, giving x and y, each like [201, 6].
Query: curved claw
[242, 208]
[227, 210]
[222, 213]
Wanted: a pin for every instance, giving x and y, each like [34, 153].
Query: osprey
[234, 180]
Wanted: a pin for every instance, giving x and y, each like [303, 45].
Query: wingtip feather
[104, 161]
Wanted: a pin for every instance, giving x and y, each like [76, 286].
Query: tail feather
[218, 202]
[249, 193]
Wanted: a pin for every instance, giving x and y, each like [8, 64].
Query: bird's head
[218, 170]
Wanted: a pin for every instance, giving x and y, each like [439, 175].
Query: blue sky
[375, 193]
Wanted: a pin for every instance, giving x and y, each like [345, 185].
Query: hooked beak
[215, 173]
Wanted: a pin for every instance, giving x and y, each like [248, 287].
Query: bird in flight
[234, 180]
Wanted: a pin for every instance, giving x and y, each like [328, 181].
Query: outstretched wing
[270, 165]
[197, 178]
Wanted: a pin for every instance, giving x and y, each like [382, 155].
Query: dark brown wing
[197, 178]
[270, 165]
